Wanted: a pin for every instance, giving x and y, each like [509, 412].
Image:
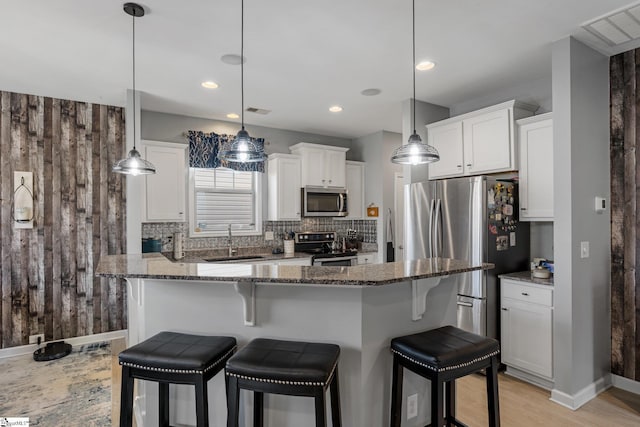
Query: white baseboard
[575, 401]
[625, 384]
[86, 339]
[530, 378]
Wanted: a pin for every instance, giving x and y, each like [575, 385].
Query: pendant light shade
[133, 164]
[242, 149]
[415, 152]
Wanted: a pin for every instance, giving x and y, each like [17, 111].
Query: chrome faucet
[232, 251]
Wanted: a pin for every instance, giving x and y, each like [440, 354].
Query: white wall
[581, 139]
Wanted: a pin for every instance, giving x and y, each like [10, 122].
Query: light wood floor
[524, 405]
[521, 404]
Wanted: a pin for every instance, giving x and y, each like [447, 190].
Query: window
[219, 197]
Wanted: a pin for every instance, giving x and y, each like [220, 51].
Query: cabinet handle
[458, 166]
[179, 213]
[523, 209]
[525, 294]
[469, 165]
[505, 309]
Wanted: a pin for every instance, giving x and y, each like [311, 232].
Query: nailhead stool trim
[293, 368]
[442, 355]
[173, 358]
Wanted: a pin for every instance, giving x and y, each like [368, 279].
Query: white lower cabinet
[527, 330]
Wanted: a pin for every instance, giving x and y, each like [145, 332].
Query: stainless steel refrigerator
[474, 219]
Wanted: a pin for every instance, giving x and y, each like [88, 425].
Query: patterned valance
[204, 149]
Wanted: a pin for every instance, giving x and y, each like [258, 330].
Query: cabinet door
[313, 167]
[355, 188]
[536, 171]
[284, 189]
[487, 143]
[334, 167]
[165, 190]
[447, 139]
[527, 336]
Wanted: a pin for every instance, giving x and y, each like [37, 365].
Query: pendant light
[134, 164]
[242, 149]
[415, 152]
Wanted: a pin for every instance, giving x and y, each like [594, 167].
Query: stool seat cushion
[445, 348]
[285, 362]
[178, 352]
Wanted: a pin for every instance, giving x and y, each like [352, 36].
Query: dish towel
[390, 250]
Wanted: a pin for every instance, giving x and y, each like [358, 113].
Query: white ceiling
[302, 56]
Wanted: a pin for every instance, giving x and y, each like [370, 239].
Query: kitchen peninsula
[359, 308]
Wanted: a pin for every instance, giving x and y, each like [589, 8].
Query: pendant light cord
[133, 17]
[242, 58]
[414, 63]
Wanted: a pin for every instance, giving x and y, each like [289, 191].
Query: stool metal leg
[126, 398]
[202, 403]
[163, 404]
[336, 416]
[258, 409]
[437, 398]
[321, 417]
[492, 393]
[233, 402]
[396, 393]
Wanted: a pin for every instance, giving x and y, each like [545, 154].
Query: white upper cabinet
[322, 165]
[477, 143]
[355, 189]
[535, 135]
[447, 139]
[283, 172]
[164, 199]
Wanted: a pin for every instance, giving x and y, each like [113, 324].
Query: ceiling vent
[616, 28]
[258, 110]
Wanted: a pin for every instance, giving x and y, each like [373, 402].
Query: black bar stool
[176, 358]
[442, 355]
[284, 367]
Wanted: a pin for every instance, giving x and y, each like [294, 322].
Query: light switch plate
[584, 249]
[512, 238]
[268, 235]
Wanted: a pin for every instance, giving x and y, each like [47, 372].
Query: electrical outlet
[412, 406]
[33, 339]
[268, 235]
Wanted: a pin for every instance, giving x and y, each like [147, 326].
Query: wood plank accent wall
[47, 282]
[625, 219]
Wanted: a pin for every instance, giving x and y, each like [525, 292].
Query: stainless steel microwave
[320, 201]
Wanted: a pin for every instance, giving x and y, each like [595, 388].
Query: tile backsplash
[366, 229]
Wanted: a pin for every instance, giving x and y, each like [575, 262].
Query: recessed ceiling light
[425, 66]
[232, 59]
[371, 92]
[233, 116]
[335, 109]
[209, 85]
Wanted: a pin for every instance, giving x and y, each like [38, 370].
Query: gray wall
[581, 141]
[376, 150]
[171, 128]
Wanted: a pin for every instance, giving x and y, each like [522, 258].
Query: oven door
[335, 261]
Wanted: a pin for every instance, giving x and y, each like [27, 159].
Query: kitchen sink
[234, 258]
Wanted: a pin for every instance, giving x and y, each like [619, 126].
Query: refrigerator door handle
[431, 208]
[465, 304]
[437, 226]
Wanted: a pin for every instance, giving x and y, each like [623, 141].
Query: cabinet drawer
[526, 293]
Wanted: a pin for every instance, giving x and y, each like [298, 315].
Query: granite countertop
[156, 266]
[525, 276]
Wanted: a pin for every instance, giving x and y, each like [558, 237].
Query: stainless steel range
[324, 247]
